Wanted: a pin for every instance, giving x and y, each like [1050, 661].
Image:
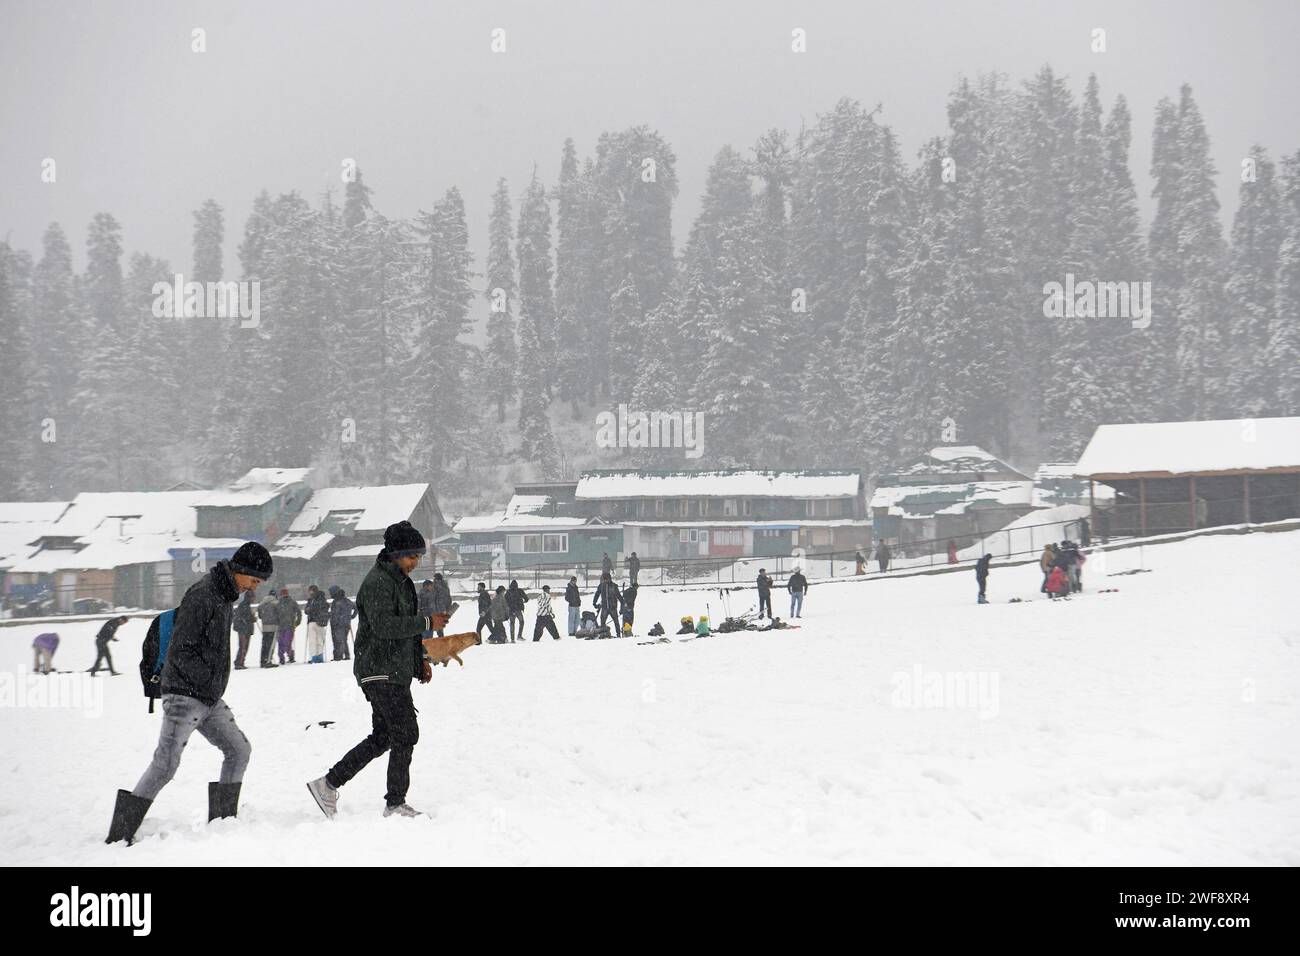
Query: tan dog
[441, 650]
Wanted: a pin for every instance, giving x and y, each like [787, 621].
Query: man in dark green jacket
[387, 655]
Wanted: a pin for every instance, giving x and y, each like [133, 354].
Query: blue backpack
[154, 654]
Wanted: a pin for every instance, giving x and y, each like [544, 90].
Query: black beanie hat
[402, 539]
[252, 559]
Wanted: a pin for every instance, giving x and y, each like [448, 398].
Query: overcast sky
[144, 128]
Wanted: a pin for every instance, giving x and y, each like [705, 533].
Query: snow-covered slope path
[1156, 725]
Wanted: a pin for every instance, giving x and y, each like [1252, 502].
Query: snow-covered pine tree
[633, 188]
[1187, 251]
[502, 350]
[246, 440]
[147, 428]
[1250, 293]
[1126, 355]
[872, 316]
[773, 165]
[829, 228]
[1284, 338]
[573, 261]
[97, 456]
[536, 439]
[58, 341]
[448, 406]
[1045, 153]
[700, 337]
[1202, 338]
[379, 308]
[626, 317]
[1076, 393]
[16, 428]
[293, 302]
[536, 296]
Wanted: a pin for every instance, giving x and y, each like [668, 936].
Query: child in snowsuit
[1058, 583]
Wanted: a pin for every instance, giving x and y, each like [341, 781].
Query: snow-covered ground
[1155, 725]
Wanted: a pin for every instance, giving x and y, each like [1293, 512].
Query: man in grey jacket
[194, 678]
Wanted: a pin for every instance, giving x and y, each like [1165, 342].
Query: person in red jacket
[1058, 583]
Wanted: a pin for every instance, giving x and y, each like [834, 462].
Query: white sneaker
[327, 798]
[403, 810]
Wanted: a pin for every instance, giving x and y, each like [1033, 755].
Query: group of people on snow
[278, 615]
[1062, 567]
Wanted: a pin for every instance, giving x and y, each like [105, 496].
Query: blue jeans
[796, 603]
[574, 615]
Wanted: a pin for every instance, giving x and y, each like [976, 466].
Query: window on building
[524, 543]
[659, 507]
[555, 543]
[746, 507]
[729, 507]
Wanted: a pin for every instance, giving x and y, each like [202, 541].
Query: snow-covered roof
[957, 459]
[903, 499]
[961, 452]
[360, 551]
[257, 486]
[113, 529]
[301, 546]
[504, 521]
[1179, 448]
[119, 514]
[749, 523]
[719, 484]
[1055, 483]
[523, 513]
[1055, 471]
[379, 506]
[22, 523]
[107, 553]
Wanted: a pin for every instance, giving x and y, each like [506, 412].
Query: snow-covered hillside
[1155, 725]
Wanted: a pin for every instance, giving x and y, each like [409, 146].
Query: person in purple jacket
[45, 645]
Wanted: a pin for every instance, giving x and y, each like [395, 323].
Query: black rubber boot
[223, 800]
[128, 813]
